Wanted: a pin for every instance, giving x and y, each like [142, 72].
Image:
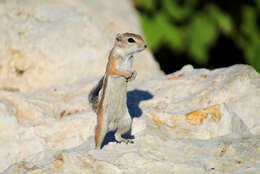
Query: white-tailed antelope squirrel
[108, 97]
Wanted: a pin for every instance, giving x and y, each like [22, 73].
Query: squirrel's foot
[128, 75]
[132, 77]
[126, 141]
[120, 139]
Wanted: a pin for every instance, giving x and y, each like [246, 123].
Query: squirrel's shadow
[134, 98]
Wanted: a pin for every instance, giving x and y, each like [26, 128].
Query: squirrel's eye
[131, 40]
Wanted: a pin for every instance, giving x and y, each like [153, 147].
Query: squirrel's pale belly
[115, 101]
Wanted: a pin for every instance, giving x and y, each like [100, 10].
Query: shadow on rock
[134, 98]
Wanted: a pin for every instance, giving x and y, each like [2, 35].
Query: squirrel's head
[129, 43]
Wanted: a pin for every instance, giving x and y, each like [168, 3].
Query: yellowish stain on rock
[197, 117]
[19, 72]
[19, 62]
[27, 167]
[225, 149]
[160, 105]
[25, 111]
[160, 122]
[177, 117]
[68, 97]
[204, 75]
[58, 163]
[211, 134]
[88, 163]
[37, 172]
[64, 113]
[61, 114]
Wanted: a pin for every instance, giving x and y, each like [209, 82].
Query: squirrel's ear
[118, 37]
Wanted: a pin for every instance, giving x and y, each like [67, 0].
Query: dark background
[209, 34]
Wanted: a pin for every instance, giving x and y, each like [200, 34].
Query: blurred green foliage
[188, 26]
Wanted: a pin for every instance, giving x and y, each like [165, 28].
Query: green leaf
[252, 52]
[223, 20]
[199, 52]
[170, 33]
[152, 31]
[201, 33]
[249, 40]
[258, 4]
[147, 4]
[255, 56]
[178, 12]
[249, 22]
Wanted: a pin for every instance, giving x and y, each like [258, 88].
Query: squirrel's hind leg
[124, 125]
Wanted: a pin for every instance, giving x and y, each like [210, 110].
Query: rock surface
[49, 42]
[192, 121]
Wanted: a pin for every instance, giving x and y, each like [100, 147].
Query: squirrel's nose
[145, 46]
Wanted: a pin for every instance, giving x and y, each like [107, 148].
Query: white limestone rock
[47, 43]
[237, 87]
[150, 155]
[195, 121]
[54, 118]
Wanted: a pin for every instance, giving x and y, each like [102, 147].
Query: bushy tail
[94, 93]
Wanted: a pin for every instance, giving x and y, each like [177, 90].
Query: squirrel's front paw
[132, 77]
